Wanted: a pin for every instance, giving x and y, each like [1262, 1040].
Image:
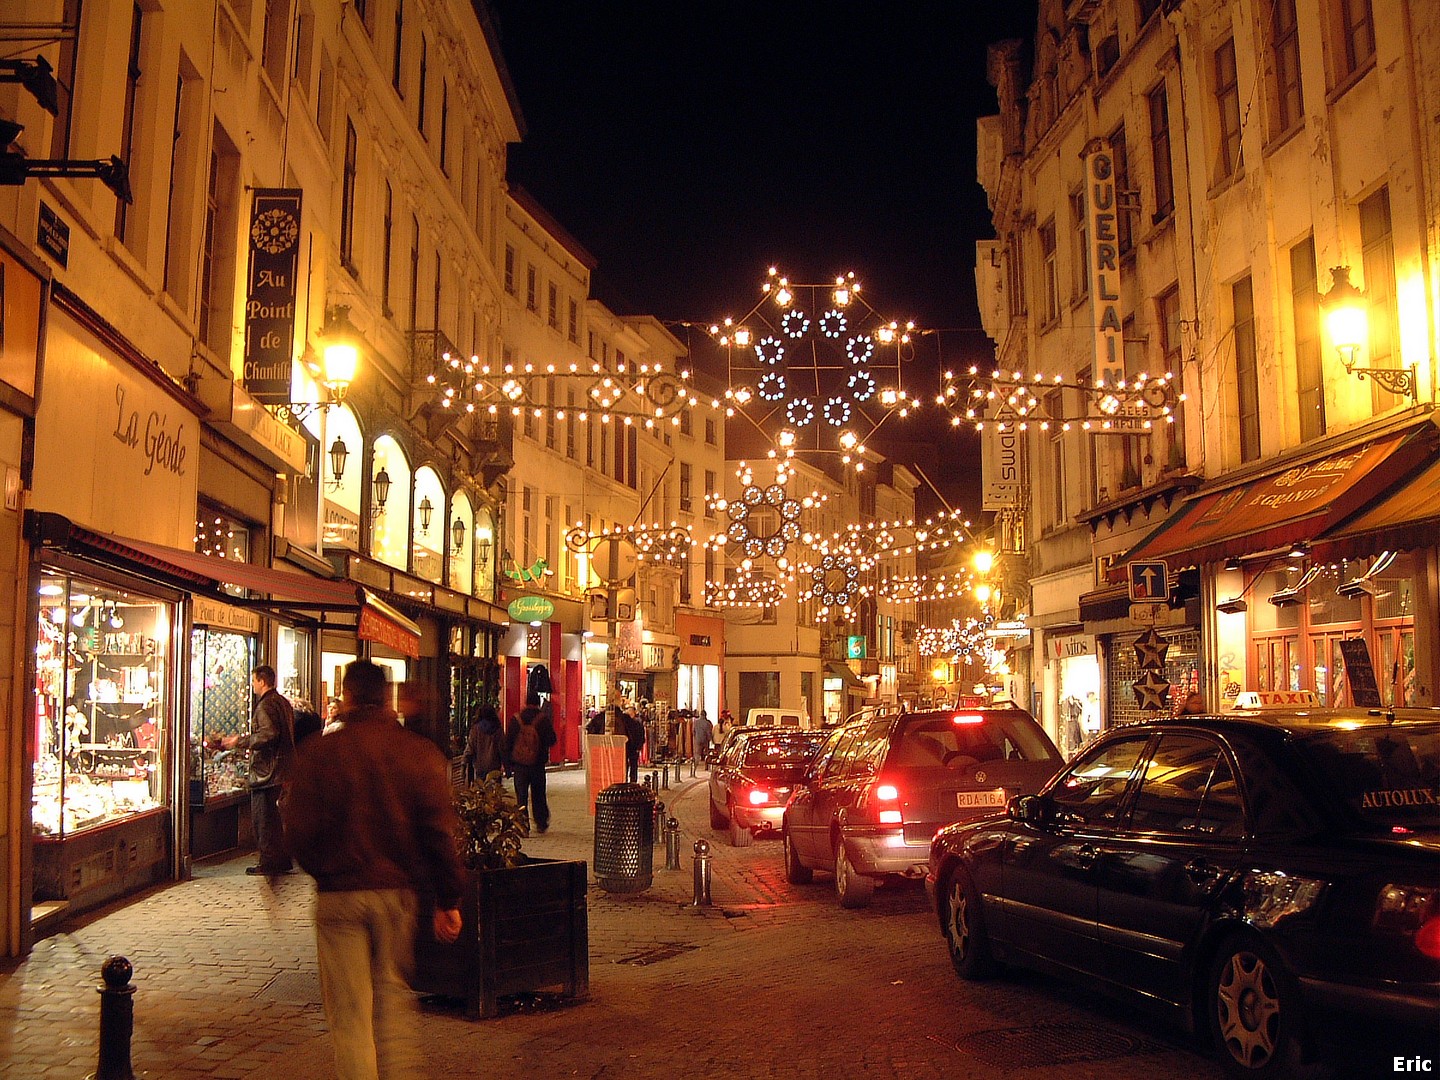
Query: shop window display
[101, 671]
[220, 666]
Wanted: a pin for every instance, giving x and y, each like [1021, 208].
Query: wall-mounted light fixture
[380, 490]
[339, 453]
[482, 552]
[1347, 321]
[334, 365]
[426, 508]
[457, 537]
[1293, 594]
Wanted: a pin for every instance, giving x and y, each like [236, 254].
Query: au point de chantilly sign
[529, 609]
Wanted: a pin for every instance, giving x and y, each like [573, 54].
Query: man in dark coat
[634, 743]
[526, 752]
[271, 743]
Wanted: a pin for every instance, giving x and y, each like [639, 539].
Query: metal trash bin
[624, 838]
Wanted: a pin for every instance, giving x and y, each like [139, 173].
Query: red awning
[383, 623]
[1409, 517]
[1297, 503]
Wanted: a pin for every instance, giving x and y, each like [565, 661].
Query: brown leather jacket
[369, 807]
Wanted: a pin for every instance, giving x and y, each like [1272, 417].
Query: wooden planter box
[523, 929]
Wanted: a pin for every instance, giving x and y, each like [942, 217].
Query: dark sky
[689, 146]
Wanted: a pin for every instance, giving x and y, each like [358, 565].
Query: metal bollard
[658, 821]
[117, 1020]
[692, 768]
[648, 781]
[702, 874]
[672, 844]
[665, 776]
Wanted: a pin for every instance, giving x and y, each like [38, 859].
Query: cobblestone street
[772, 980]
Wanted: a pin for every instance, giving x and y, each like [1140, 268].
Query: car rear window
[995, 736]
[781, 750]
[1387, 776]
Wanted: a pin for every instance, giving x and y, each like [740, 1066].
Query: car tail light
[1410, 909]
[967, 718]
[888, 795]
[758, 797]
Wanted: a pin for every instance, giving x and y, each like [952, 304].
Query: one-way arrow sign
[1149, 581]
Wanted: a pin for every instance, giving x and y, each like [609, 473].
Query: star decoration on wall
[1152, 692]
[1150, 650]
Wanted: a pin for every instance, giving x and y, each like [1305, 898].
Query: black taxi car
[869, 803]
[1251, 876]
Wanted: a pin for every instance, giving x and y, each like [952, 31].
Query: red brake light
[758, 797]
[967, 718]
[1427, 938]
[887, 793]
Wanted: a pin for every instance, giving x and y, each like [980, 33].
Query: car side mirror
[1028, 809]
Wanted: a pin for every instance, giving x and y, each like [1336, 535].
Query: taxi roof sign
[1260, 700]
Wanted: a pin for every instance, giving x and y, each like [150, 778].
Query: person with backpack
[482, 748]
[528, 738]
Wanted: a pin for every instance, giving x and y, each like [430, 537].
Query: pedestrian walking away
[528, 738]
[482, 747]
[634, 732]
[370, 817]
[271, 743]
[703, 735]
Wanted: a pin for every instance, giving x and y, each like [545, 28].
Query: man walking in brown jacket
[369, 816]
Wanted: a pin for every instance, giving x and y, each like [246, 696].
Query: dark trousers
[530, 790]
[269, 833]
[632, 766]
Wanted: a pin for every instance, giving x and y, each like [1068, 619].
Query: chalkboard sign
[1364, 691]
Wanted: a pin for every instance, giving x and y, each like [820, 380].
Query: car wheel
[965, 929]
[795, 872]
[1254, 1008]
[717, 819]
[854, 890]
[740, 836]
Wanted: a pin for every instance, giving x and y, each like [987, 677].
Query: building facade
[1172, 185]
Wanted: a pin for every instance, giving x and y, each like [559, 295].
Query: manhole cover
[1051, 1044]
[655, 955]
[293, 988]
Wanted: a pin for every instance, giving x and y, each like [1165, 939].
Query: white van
[768, 716]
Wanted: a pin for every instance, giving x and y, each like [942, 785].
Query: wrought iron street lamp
[339, 454]
[426, 508]
[457, 537]
[1346, 319]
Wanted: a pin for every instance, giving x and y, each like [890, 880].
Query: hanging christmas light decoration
[1133, 404]
[849, 373]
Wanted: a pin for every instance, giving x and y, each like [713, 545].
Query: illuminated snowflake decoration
[835, 581]
[772, 386]
[795, 323]
[757, 533]
[834, 362]
[770, 351]
[859, 349]
[862, 385]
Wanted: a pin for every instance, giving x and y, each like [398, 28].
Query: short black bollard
[692, 768]
[658, 821]
[117, 1020]
[702, 874]
[649, 781]
[672, 844]
[665, 776]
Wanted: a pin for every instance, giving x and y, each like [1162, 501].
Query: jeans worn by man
[369, 816]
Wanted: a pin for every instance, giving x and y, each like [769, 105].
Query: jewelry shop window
[221, 659]
[102, 666]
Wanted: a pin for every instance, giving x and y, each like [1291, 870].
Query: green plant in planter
[492, 825]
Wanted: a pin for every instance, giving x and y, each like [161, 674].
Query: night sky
[690, 146]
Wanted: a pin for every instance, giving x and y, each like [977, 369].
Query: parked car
[1249, 876]
[752, 779]
[880, 786]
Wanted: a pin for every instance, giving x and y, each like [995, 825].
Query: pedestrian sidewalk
[224, 964]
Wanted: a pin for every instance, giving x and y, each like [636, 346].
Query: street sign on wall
[1149, 581]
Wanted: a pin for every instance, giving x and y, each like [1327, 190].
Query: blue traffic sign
[1149, 581]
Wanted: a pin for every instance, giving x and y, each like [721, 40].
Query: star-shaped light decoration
[1152, 692]
[1150, 650]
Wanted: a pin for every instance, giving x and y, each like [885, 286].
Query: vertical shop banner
[270, 293]
[1104, 256]
[999, 467]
